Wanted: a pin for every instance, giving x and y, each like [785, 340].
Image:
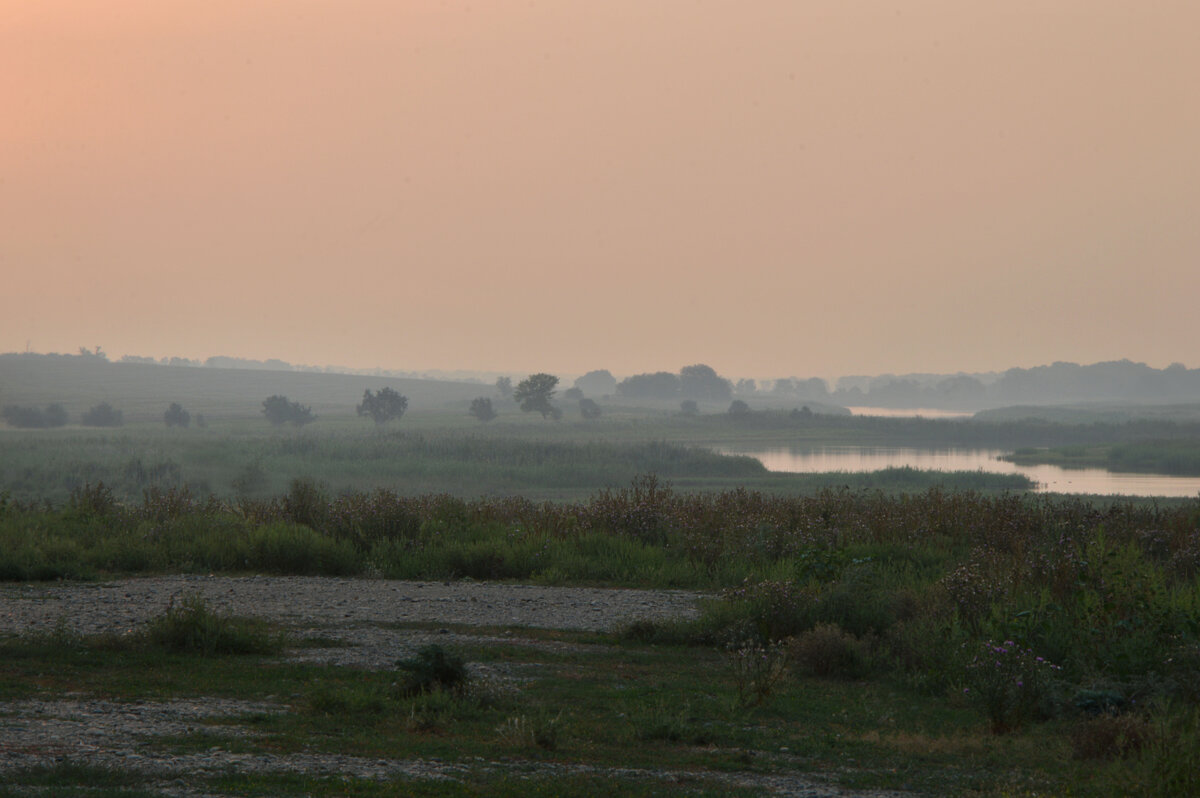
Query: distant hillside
[142, 391]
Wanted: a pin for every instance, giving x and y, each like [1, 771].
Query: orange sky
[774, 188]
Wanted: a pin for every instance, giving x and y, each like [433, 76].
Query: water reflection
[1049, 478]
[914, 412]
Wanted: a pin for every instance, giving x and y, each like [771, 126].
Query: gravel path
[363, 613]
[306, 602]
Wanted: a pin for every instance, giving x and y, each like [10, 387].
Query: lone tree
[279, 411]
[534, 394]
[176, 416]
[739, 408]
[504, 387]
[482, 409]
[384, 406]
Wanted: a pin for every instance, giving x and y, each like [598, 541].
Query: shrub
[481, 408]
[102, 415]
[55, 415]
[433, 668]
[176, 416]
[279, 411]
[191, 627]
[1009, 683]
[756, 670]
[1108, 737]
[829, 651]
[384, 406]
[589, 409]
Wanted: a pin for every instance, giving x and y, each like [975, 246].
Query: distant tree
[534, 394]
[597, 383]
[482, 409]
[689, 407]
[803, 414]
[702, 382]
[739, 408]
[784, 386]
[574, 394]
[102, 415]
[176, 416]
[589, 409]
[746, 387]
[504, 387]
[384, 406]
[201, 421]
[659, 385]
[55, 415]
[279, 410]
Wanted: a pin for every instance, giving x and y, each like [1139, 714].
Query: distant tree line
[698, 383]
[54, 415]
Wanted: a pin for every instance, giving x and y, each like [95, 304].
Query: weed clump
[830, 652]
[432, 669]
[192, 627]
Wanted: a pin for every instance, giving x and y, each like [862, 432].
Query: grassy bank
[1168, 456]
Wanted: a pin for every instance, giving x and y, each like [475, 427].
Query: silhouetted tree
[746, 387]
[702, 382]
[534, 394]
[689, 407]
[739, 408]
[102, 415]
[574, 394]
[384, 406]
[659, 385]
[504, 387]
[482, 409]
[597, 383]
[589, 409]
[176, 416]
[279, 410]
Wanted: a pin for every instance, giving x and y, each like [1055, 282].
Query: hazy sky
[779, 187]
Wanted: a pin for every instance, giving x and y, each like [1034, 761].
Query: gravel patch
[363, 614]
[305, 602]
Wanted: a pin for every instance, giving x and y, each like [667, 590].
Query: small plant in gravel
[1009, 683]
[432, 668]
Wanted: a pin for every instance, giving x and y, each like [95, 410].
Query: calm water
[922, 412]
[1050, 479]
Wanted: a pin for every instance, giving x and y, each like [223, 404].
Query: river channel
[1049, 478]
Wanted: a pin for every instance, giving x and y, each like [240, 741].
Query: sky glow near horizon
[777, 188]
